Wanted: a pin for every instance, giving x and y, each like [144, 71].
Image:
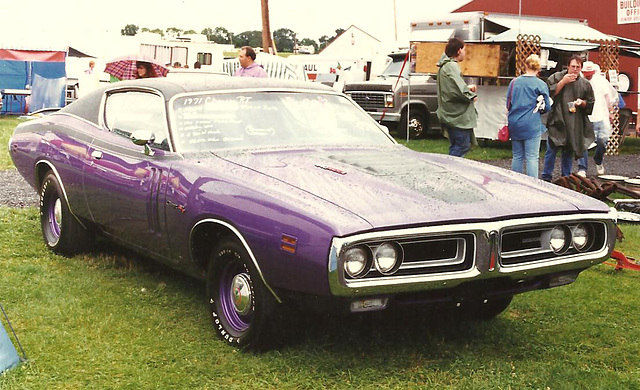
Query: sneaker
[600, 169]
[582, 173]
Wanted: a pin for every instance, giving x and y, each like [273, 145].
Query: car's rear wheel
[484, 309]
[241, 306]
[61, 231]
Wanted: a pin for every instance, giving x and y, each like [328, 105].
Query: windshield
[207, 122]
[393, 69]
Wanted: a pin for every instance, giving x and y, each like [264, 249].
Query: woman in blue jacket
[527, 99]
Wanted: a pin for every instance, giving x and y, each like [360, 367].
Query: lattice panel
[525, 46]
[609, 60]
[615, 141]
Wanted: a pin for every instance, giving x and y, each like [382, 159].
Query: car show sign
[628, 11]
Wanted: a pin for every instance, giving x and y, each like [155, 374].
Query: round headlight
[356, 262]
[558, 239]
[580, 237]
[387, 258]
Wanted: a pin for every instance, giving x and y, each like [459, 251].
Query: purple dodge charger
[283, 193]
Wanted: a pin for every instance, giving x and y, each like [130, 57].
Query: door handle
[96, 154]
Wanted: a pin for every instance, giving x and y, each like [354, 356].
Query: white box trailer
[186, 52]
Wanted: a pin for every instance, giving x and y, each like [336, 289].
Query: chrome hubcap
[57, 212]
[241, 293]
[416, 126]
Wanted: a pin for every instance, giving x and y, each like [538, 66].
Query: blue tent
[8, 354]
[31, 79]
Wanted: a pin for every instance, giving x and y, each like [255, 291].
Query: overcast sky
[309, 19]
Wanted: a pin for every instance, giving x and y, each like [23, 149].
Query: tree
[129, 30]
[208, 32]
[248, 38]
[284, 39]
[173, 32]
[190, 32]
[325, 40]
[155, 31]
[218, 35]
[309, 42]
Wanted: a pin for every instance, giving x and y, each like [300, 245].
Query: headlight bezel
[588, 237]
[568, 240]
[386, 270]
[366, 265]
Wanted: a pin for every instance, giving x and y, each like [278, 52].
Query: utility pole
[395, 21]
[267, 40]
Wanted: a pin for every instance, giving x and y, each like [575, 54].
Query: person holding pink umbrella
[145, 70]
[135, 66]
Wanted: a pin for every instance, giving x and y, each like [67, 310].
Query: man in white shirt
[605, 99]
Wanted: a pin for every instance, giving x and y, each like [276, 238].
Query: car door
[125, 183]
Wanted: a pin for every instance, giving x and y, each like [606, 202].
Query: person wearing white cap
[605, 100]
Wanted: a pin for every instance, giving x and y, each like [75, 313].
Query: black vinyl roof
[170, 86]
[88, 106]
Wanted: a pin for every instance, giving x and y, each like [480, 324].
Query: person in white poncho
[605, 100]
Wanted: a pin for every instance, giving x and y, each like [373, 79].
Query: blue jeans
[459, 141]
[602, 138]
[550, 161]
[528, 151]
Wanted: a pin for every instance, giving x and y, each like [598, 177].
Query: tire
[418, 125]
[242, 308]
[62, 232]
[483, 310]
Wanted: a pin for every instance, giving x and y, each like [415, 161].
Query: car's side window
[126, 112]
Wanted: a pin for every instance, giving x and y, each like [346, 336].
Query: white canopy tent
[568, 29]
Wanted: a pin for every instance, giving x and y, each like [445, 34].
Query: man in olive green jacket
[456, 110]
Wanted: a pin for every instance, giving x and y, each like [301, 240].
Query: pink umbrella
[125, 67]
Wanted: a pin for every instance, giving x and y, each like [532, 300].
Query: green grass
[486, 150]
[7, 124]
[110, 319]
[493, 150]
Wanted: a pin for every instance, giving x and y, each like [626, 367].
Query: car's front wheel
[61, 231]
[241, 306]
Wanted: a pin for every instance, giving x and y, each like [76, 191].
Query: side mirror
[143, 138]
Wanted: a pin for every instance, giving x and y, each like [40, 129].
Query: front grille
[447, 256]
[429, 255]
[368, 100]
[531, 244]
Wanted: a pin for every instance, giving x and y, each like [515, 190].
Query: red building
[601, 15]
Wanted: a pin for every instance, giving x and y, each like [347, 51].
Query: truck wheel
[62, 233]
[241, 306]
[417, 125]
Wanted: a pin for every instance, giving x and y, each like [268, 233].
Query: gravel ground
[15, 192]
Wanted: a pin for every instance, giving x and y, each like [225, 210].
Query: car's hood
[396, 186]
